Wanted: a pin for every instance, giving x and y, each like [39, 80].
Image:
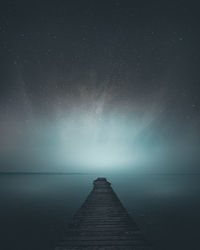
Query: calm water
[35, 209]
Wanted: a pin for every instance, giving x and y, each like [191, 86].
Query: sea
[35, 209]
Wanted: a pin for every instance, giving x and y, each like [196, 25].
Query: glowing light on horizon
[88, 143]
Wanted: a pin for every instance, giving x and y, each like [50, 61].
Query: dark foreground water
[35, 209]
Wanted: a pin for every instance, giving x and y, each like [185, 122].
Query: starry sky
[95, 85]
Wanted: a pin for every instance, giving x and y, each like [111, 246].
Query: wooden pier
[103, 223]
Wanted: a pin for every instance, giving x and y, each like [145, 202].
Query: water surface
[35, 209]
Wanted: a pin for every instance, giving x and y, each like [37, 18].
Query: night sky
[97, 85]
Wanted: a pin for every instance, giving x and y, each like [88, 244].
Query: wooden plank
[103, 223]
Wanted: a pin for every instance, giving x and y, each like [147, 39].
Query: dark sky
[80, 66]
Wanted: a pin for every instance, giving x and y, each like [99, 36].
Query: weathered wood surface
[103, 223]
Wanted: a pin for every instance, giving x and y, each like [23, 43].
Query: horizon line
[87, 173]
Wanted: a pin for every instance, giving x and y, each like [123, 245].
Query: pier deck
[103, 223]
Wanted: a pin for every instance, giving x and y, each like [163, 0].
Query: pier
[103, 223]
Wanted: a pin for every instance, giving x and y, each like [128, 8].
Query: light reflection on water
[35, 208]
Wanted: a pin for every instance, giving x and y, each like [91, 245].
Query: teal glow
[94, 141]
[87, 142]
